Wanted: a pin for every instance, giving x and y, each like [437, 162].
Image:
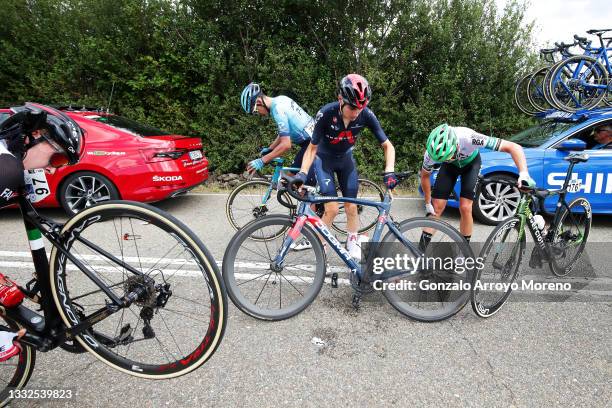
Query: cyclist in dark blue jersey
[337, 127]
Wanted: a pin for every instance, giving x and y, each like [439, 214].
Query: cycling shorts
[11, 177]
[447, 177]
[297, 161]
[343, 166]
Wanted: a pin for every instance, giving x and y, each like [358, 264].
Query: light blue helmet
[249, 96]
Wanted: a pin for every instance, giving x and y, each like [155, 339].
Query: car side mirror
[572, 145]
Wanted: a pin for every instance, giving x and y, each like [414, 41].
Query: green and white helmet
[441, 143]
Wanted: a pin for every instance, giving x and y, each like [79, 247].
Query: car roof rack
[579, 116]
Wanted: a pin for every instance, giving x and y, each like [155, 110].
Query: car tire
[492, 213]
[84, 189]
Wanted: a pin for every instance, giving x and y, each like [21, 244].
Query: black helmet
[61, 129]
[355, 90]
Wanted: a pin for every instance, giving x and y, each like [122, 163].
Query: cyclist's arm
[426, 185]
[309, 157]
[428, 166]
[389, 156]
[517, 153]
[279, 147]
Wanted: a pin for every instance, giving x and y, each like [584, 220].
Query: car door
[595, 175]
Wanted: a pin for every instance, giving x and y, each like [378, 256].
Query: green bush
[181, 65]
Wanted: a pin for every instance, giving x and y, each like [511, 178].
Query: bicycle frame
[306, 215]
[526, 216]
[47, 331]
[278, 170]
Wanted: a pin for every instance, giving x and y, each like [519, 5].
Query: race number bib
[310, 128]
[573, 186]
[36, 185]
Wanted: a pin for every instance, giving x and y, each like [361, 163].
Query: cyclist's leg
[348, 179]
[324, 173]
[297, 160]
[445, 182]
[469, 179]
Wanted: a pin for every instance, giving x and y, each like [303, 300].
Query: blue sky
[559, 20]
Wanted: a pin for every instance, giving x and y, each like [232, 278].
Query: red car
[125, 160]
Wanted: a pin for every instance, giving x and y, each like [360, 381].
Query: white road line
[254, 195]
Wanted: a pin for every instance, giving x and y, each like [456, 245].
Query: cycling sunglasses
[57, 159]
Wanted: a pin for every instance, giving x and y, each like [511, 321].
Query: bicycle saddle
[601, 31]
[577, 158]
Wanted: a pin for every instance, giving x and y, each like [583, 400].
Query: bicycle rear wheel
[260, 289]
[368, 190]
[573, 84]
[501, 257]
[413, 294]
[246, 203]
[535, 90]
[16, 371]
[177, 322]
[570, 236]
[520, 96]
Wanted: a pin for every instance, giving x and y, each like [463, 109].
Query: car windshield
[128, 125]
[537, 135]
[3, 116]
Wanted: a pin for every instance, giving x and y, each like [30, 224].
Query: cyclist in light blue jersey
[294, 125]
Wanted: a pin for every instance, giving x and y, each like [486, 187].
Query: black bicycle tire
[25, 367]
[517, 91]
[427, 222]
[228, 269]
[216, 328]
[555, 268]
[490, 310]
[234, 193]
[577, 58]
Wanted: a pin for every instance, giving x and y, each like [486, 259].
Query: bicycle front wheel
[368, 190]
[570, 236]
[248, 202]
[435, 287]
[16, 371]
[501, 257]
[178, 320]
[267, 291]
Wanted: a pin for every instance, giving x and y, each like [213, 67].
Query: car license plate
[573, 186]
[37, 188]
[195, 155]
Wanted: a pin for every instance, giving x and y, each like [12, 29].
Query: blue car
[545, 147]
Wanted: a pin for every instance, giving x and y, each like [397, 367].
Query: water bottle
[539, 221]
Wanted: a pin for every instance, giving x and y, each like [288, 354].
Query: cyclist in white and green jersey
[455, 150]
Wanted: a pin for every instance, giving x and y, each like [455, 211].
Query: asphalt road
[529, 354]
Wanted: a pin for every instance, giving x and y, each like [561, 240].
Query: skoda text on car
[545, 147]
[124, 159]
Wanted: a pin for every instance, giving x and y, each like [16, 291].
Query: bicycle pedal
[334, 280]
[356, 301]
[125, 333]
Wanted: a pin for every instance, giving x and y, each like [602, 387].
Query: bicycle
[561, 246]
[254, 199]
[126, 282]
[582, 81]
[269, 266]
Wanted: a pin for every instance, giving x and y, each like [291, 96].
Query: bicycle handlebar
[291, 185]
